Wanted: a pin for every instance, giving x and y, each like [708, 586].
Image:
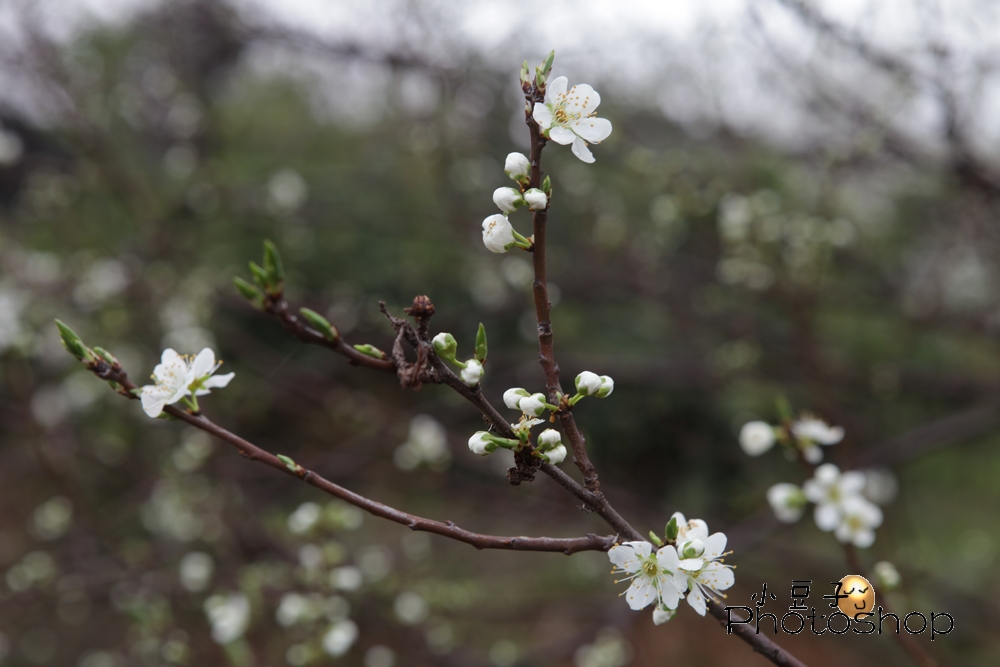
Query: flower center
[649, 567]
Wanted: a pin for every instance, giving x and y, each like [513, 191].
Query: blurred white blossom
[196, 570]
[756, 437]
[427, 443]
[229, 616]
[340, 637]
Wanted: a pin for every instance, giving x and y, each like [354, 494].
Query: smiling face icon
[860, 596]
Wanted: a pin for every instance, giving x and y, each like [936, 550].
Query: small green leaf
[273, 267]
[547, 185]
[370, 350]
[320, 323]
[289, 463]
[73, 343]
[655, 539]
[259, 275]
[481, 344]
[107, 356]
[249, 292]
[549, 59]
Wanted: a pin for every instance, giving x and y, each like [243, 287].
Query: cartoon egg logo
[860, 596]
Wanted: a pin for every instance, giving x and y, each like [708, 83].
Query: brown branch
[567, 545]
[540, 290]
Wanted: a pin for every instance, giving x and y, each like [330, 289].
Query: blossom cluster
[565, 116]
[845, 502]
[687, 565]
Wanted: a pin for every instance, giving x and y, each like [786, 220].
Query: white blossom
[533, 405]
[517, 166]
[787, 501]
[536, 199]
[701, 556]
[303, 518]
[655, 578]
[567, 117]
[177, 376]
[472, 372]
[340, 637]
[886, 575]
[607, 386]
[523, 427]
[229, 616]
[512, 397]
[756, 437]
[480, 443]
[588, 383]
[829, 489]
[498, 235]
[508, 200]
[818, 431]
[556, 455]
[858, 522]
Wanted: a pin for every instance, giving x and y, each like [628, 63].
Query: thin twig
[248, 450]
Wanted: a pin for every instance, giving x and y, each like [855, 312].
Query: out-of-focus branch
[590, 542]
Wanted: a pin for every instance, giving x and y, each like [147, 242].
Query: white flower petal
[581, 151]
[203, 364]
[827, 516]
[697, 600]
[717, 576]
[864, 538]
[592, 130]
[667, 559]
[669, 595]
[691, 564]
[582, 99]
[624, 557]
[561, 135]
[542, 115]
[642, 549]
[555, 88]
[152, 401]
[640, 593]
[715, 545]
[218, 381]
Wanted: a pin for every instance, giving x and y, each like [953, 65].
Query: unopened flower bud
[498, 235]
[480, 443]
[513, 396]
[756, 437]
[556, 455]
[671, 530]
[549, 438]
[472, 372]
[607, 386]
[536, 199]
[886, 575]
[507, 200]
[588, 383]
[661, 616]
[445, 345]
[517, 166]
[693, 549]
[533, 405]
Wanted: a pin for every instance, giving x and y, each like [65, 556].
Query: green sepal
[671, 530]
[273, 268]
[370, 350]
[481, 344]
[320, 323]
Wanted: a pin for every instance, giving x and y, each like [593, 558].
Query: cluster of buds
[549, 446]
[498, 234]
[471, 371]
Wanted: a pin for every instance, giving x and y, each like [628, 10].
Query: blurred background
[799, 199]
